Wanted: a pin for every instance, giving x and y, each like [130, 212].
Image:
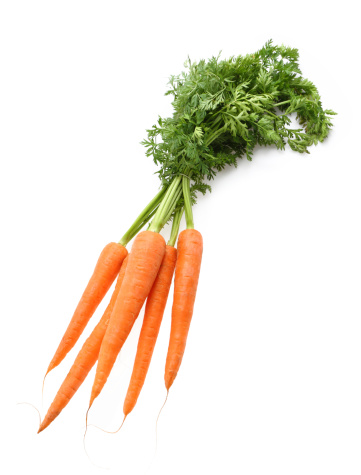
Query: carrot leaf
[223, 109]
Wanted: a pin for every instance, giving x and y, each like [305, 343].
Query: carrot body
[85, 360]
[106, 270]
[190, 248]
[153, 315]
[144, 261]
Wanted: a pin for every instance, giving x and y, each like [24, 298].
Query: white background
[270, 381]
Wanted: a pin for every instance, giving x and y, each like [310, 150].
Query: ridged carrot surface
[106, 270]
[189, 248]
[85, 360]
[144, 262]
[153, 316]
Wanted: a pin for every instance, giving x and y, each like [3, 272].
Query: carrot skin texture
[190, 249]
[85, 360]
[153, 315]
[144, 261]
[106, 270]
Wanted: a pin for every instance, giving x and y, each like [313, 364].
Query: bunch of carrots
[223, 109]
[144, 274]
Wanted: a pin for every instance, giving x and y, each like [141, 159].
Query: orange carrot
[85, 360]
[153, 315]
[144, 261]
[106, 270]
[190, 248]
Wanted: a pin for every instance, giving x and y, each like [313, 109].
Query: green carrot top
[224, 108]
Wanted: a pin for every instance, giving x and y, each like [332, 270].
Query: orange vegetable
[190, 248]
[153, 316]
[144, 262]
[85, 359]
[106, 270]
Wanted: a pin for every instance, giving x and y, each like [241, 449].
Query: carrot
[144, 261]
[106, 270]
[153, 315]
[190, 247]
[85, 360]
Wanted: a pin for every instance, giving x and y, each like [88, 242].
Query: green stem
[187, 202]
[142, 224]
[281, 103]
[172, 206]
[214, 119]
[215, 135]
[168, 199]
[175, 227]
[166, 205]
[144, 217]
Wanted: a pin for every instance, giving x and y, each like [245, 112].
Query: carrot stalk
[153, 315]
[187, 202]
[85, 359]
[144, 262]
[106, 270]
[167, 204]
[175, 227]
[173, 203]
[144, 217]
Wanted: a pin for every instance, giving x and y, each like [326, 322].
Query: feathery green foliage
[224, 108]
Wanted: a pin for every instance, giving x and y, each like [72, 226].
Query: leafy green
[224, 108]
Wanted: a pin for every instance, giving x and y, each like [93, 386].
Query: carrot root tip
[37, 410]
[108, 431]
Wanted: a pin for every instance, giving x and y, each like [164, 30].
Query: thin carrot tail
[42, 392]
[109, 431]
[84, 445]
[156, 423]
[32, 405]
[86, 428]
